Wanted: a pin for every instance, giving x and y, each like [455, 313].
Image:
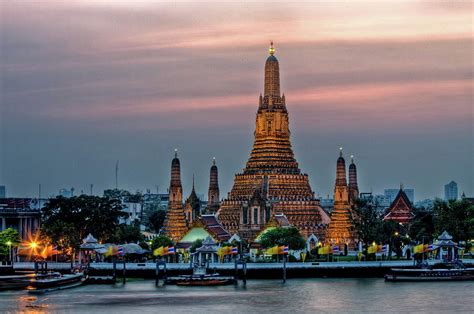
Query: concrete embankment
[254, 270]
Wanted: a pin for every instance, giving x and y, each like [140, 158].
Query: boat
[200, 277]
[14, 282]
[440, 272]
[56, 283]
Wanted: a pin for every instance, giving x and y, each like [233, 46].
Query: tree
[196, 244]
[127, 234]
[456, 217]
[421, 228]
[283, 236]
[154, 219]
[366, 221]
[66, 221]
[160, 241]
[8, 238]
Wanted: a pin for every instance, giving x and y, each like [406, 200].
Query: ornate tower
[271, 182]
[339, 231]
[213, 193]
[192, 207]
[353, 187]
[175, 223]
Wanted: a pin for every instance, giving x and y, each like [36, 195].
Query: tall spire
[353, 186]
[341, 170]
[272, 74]
[175, 222]
[213, 192]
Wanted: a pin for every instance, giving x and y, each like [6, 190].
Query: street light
[9, 244]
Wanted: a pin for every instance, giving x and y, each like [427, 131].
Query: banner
[164, 250]
[324, 250]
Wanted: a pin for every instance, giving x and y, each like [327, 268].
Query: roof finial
[193, 181]
[175, 153]
[340, 151]
[213, 161]
[352, 158]
[401, 186]
[271, 50]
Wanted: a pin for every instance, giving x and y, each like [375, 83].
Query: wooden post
[284, 268]
[124, 272]
[157, 274]
[114, 271]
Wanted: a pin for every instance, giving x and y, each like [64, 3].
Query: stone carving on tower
[213, 193]
[340, 228]
[271, 182]
[175, 225]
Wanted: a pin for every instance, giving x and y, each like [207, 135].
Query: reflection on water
[298, 295]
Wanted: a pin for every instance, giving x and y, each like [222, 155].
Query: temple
[175, 225]
[271, 182]
[400, 210]
[213, 192]
[340, 228]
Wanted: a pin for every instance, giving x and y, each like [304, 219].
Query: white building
[451, 191]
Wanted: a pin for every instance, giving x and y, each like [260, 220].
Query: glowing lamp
[9, 243]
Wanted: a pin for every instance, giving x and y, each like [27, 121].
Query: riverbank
[254, 270]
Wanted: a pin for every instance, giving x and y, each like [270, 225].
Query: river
[259, 296]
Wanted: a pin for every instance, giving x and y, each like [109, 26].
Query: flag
[235, 250]
[372, 249]
[418, 248]
[120, 250]
[170, 250]
[111, 250]
[158, 251]
[285, 249]
[385, 248]
[430, 247]
[335, 249]
[272, 250]
[324, 250]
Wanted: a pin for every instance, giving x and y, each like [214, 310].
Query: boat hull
[413, 275]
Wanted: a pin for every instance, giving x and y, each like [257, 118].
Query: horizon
[86, 83]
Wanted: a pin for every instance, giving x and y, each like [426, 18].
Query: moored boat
[13, 282]
[443, 272]
[63, 280]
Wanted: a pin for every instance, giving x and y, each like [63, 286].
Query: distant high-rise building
[451, 191]
[391, 194]
[3, 192]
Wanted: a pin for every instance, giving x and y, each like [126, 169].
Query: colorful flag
[285, 249]
[430, 247]
[335, 249]
[419, 248]
[158, 251]
[235, 250]
[170, 250]
[385, 248]
[119, 250]
[324, 250]
[372, 249]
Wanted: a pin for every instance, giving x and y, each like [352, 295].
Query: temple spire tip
[271, 50]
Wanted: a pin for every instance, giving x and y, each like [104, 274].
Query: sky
[86, 83]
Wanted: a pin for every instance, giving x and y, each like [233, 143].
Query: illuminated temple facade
[340, 231]
[271, 183]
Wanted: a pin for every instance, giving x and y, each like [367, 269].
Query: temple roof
[401, 209]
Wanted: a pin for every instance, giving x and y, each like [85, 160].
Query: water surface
[259, 296]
